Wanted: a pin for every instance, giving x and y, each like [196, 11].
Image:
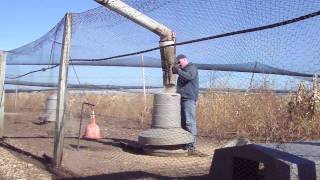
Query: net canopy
[228, 40]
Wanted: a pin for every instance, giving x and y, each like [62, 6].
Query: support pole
[62, 92]
[144, 93]
[167, 37]
[2, 90]
[143, 83]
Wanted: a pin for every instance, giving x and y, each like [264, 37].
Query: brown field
[262, 116]
[119, 119]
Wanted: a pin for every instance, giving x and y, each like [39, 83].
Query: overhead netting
[234, 38]
[238, 45]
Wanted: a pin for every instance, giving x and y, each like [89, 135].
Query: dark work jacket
[188, 82]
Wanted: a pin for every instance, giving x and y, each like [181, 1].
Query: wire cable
[260, 28]
[31, 72]
[78, 80]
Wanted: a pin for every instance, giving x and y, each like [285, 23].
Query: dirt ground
[25, 136]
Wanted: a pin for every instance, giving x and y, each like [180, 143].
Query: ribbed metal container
[166, 128]
[164, 137]
[51, 108]
[166, 111]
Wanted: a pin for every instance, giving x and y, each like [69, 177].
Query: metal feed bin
[50, 112]
[166, 135]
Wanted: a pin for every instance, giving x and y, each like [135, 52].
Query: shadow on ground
[61, 173]
[133, 175]
[44, 162]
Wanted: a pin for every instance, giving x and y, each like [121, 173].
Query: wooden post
[62, 92]
[2, 78]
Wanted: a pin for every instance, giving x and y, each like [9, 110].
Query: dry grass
[239, 114]
[25, 102]
[110, 105]
[260, 116]
[125, 106]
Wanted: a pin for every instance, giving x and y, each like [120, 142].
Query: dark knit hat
[180, 56]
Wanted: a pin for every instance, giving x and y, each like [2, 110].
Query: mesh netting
[290, 48]
[242, 48]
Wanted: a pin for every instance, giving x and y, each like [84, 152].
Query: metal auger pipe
[167, 37]
[136, 16]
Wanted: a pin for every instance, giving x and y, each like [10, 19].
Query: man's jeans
[188, 119]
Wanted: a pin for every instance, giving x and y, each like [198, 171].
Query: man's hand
[175, 68]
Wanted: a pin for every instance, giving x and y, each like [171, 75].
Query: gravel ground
[103, 159]
[14, 168]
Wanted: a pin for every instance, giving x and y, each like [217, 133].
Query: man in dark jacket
[188, 88]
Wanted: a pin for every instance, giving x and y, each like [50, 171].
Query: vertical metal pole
[144, 83]
[252, 77]
[144, 92]
[62, 92]
[80, 126]
[315, 96]
[2, 78]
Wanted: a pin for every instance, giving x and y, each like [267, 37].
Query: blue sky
[25, 21]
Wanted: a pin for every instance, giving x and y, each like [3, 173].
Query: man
[188, 88]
